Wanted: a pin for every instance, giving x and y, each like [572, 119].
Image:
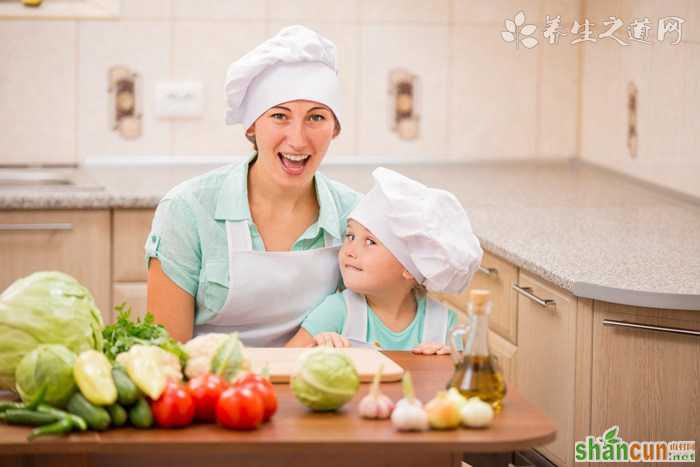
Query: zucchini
[140, 414]
[128, 393]
[118, 414]
[96, 417]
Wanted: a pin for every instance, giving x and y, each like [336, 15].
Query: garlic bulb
[376, 405]
[476, 413]
[409, 414]
[443, 412]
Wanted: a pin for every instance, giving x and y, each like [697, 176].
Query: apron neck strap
[239, 238]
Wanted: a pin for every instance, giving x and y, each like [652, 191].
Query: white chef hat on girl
[426, 229]
[297, 63]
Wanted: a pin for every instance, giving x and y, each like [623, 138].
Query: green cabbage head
[326, 379]
[49, 365]
[45, 308]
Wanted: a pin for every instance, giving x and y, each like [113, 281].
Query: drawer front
[498, 280]
[75, 242]
[131, 228]
[647, 382]
[545, 373]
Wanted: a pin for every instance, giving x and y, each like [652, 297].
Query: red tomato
[240, 408]
[266, 392]
[205, 390]
[174, 408]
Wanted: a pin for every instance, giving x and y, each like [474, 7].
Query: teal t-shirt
[330, 315]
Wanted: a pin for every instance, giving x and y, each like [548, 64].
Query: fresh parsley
[125, 333]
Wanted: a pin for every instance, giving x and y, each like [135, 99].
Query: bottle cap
[478, 298]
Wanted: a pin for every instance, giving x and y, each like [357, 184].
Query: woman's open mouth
[293, 164]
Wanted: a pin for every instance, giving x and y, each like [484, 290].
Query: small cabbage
[230, 358]
[45, 308]
[49, 365]
[326, 379]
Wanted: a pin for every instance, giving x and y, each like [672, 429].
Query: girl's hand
[428, 348]
[331, 339]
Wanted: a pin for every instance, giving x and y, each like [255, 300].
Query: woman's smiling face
[292, 139]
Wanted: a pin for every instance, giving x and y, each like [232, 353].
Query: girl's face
[367, 266]
[292, 139]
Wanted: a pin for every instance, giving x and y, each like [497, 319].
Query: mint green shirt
[330, 315]
[188, 235]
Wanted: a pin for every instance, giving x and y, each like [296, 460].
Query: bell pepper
[93, 375]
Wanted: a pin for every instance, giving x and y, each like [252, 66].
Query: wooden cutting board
[282, 362]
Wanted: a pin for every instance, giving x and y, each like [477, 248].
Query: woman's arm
[171, 305]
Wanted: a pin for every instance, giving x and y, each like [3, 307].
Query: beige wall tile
[196, 60]
[489, 11]
[312, 10]
[413, 11]
[142, 46]
[423, 51]
[38, 92]
[558, 100]
[150, 9]
[347, 41]
[604, 105]
[493, 111]
[219, 9]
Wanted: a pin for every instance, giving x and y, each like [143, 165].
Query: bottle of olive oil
[476, 370]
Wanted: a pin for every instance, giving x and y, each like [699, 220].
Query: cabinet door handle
[488, 272]
[528, 292]
[34, 227]
[651, 327]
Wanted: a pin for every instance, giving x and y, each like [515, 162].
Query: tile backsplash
[667, 78]
[480, 98]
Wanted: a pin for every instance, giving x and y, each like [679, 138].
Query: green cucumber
[128, 393]
[96, 417]
[118, 414]
[140, 414]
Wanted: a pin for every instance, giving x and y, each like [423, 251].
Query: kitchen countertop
[592, 232]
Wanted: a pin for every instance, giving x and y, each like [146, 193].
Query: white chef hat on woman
[297, 63]
[426, 229]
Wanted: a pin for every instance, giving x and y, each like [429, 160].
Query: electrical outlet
[179, 99]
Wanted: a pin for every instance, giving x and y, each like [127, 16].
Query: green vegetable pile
[45, 308]
[125, 333]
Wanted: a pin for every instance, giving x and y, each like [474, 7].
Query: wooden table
[295, 436]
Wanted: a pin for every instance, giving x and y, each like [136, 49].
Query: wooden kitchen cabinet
[646, 382]
[130, 227]
[546, 370]
[76, 242]
[497, 276]
[505, 354]
[133, 293]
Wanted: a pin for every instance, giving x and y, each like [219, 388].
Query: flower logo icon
[519, 32]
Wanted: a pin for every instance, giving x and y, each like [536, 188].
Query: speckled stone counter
[589, 231]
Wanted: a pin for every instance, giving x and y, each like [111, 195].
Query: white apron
[270, 292]
[355, 327]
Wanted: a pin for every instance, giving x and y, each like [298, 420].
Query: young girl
[402, 239]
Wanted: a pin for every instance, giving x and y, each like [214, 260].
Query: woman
[253, 247]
